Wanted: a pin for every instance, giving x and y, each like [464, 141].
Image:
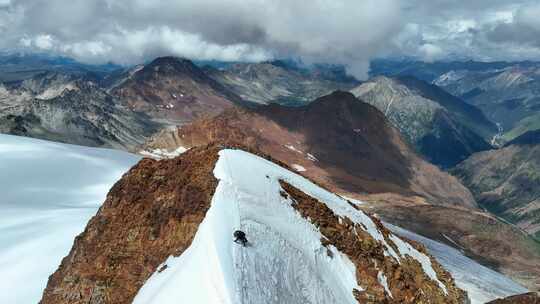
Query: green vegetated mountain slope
[509, 96]
[443, 128]
[530, 123]
[508, 93]
[507, 181]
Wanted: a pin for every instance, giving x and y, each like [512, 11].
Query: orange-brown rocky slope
[339, 141]
[152, 213]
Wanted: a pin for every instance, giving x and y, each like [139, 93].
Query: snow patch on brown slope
[356, 150]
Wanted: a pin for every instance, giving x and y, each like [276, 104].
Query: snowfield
[49, 191]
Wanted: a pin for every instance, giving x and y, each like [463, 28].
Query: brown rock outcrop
[478, 234]
[152, 213]
[527, 298]
[406, 281]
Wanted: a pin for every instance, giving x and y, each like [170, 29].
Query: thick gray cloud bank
[349, 32]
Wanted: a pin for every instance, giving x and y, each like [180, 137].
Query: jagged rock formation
[60, 108]
[443, 128]
[282, 83]
[337, 139]
[506, 181]
[48, 85]
[161, 210]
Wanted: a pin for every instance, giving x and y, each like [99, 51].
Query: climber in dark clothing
[240, 237]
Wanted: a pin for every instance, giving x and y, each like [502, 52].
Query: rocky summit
[172, 90]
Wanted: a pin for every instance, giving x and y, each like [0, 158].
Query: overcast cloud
[349, 32]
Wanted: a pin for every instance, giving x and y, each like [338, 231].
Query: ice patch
[298, 168]
[311, 157]
[382, 280]
[162, 153]
[352, 200]
[292, 148]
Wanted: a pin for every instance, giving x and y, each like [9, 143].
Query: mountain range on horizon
[378, 175]
[269, 152]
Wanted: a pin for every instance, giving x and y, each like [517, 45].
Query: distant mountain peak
[170, 64]
[172, 89]
[169, 60]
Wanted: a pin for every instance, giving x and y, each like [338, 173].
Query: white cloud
[430, 52]
[44, 42]
[350, 32]
[478, 30]
[126, 31]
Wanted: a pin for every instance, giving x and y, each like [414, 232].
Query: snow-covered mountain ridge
[290, 259]
[174, 238]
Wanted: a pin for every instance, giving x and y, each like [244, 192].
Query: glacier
[48, 192]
